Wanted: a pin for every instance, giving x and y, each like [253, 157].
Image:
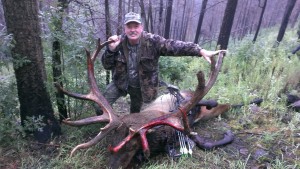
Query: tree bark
[227, 24]
[143, 15]
[150, 18]
[22, 21]
[182, 26]
[168, 19]
[200, 21]
[120, 14]
[288, 10]
[108, 33]
[159, 26]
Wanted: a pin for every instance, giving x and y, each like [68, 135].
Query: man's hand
[112, 46]
[208, 54]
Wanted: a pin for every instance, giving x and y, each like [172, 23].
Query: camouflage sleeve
[108, 59]
[170, 47]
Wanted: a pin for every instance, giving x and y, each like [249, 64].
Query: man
[133, 59]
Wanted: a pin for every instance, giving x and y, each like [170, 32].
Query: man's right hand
[117, 39]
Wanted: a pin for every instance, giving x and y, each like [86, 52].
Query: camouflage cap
[132, 17]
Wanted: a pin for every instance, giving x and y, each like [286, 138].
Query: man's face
[133, 30]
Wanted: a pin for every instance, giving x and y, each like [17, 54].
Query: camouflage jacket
[151, 48]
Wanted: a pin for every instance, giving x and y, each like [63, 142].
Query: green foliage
[20, 61]
[10, 127]
[5, 45]
[174, 69]
[10, 130]
[34, 123]
[249, 71]
[74, 36]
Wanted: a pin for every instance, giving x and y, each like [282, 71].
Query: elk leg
[208, 145]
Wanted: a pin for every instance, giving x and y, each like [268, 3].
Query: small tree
[263, 7]
[57, 57]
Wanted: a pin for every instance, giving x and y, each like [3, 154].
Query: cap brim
[133, 20]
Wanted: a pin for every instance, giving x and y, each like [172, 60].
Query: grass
[249, 71]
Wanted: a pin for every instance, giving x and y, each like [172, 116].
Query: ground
[263, 139]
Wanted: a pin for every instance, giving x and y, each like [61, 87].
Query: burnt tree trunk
[143, 15]
[295, 14]
[263, 7]
[129, 7]
[168, 19]
[150, 18]
[120, 13]
[108, 33]
[285, 20]
[160, 25]
[182, 26]
[200, 21]
[22, 21]
[56, 60]
[227, 24]
[298, 31]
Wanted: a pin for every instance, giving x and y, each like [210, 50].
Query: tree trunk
[288, 10]
[187, 21]
[143, 15]
[182, 26]
[22, 21]
[200, 21]
[128, 7]
[56, 60]
[159, 25]
[227, 24]
[150, 18]
[295, 15]
[168, 19]
[260, 19]
[108, 33]
[120, 14]
[298, 31]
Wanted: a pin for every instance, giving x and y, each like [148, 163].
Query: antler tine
[168, 119]
[202, 89]
[99, 47]
[215, 69]
[92, 142]
[95, 96]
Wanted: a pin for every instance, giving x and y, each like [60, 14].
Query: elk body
[149, 130]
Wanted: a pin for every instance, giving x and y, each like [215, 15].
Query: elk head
[138, 126]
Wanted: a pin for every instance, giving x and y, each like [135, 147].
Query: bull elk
[152, 127]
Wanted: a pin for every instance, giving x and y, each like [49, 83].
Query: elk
[143, 131]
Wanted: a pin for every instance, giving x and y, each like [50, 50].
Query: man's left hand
[208, 54]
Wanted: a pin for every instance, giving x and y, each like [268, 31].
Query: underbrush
[249, 71]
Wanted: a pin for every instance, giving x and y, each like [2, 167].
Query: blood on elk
[152, 127]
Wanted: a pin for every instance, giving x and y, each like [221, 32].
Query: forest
[50, 48]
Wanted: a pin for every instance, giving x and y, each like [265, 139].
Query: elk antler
[96, 96]
[168, 119]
